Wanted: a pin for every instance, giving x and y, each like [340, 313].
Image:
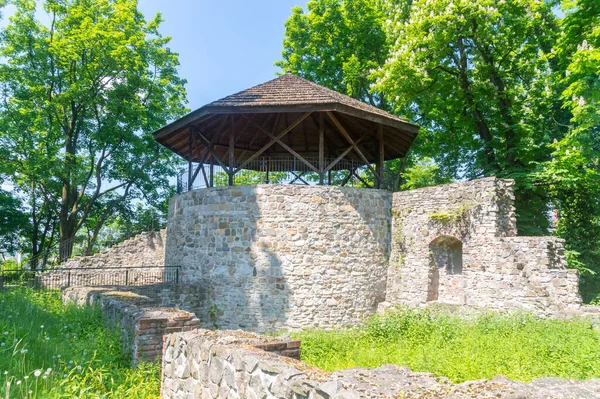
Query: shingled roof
[288, 91]
[251, 115]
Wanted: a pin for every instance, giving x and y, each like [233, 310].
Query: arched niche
[445, 258]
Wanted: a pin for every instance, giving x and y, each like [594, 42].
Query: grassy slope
[74, 354]
[519, 347]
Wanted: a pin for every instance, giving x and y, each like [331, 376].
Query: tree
[477, 78]
[336, 43]
[13, 223]
[573, 173]
[80, 97]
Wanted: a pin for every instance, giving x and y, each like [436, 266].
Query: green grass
[48, 350]
[520, 347]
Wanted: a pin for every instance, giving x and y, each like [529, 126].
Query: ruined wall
[227, 364]
[144, 249]
[108, 267]
[139, 315]
[274, 256]
[499, 270]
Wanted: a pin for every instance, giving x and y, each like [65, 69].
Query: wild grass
[48, 350]
[520, 347]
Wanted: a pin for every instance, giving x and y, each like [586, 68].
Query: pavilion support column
[212, 173]
[231, 153]
[380, 167]
[329, 177]
[190, 143]
[266, 161]
[321, 149]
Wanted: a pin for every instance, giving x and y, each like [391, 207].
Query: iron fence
[89, 277]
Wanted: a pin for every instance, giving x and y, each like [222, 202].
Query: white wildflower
[37, 373]
[19, 382]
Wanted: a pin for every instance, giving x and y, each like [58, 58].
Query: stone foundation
[282, 256]
[208, 364]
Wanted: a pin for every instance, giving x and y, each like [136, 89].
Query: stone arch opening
[445, 261]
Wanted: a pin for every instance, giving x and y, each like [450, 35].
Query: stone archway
[445, 264]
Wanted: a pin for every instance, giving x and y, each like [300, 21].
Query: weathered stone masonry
[142, 315]
[269, 257]
[144, 249]
[474, 223]
[227, 364]
[282, 256]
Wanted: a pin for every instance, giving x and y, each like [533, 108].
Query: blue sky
[224, 46]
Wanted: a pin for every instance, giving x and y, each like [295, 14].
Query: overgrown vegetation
[505, 88]
[48, 350]
[520, 347]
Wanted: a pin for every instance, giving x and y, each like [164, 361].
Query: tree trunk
[484, 131]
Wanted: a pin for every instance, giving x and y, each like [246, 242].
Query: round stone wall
[282, 256]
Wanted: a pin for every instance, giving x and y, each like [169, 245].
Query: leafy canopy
[80, 97]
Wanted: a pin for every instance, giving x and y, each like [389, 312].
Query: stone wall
[473, 223]
[109, 267]
[140, 314]
[275, 256]
[144, 249]
[208, 364]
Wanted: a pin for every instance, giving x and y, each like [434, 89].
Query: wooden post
[380, 163]
[329, 177]
[231, 153]
[190, 139]
[266, 170]
[212, 172]
[321, 148]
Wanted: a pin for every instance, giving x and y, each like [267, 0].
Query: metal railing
[274, 170]
[90, 277]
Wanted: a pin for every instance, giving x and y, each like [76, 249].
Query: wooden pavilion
[288, 124]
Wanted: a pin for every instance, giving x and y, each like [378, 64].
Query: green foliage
[501, 88]
[335, 43]
[424, 173]
[475, 76]
[64, 352]
[520, 347]
[573, 174]
[14, 222]
[81, 94]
